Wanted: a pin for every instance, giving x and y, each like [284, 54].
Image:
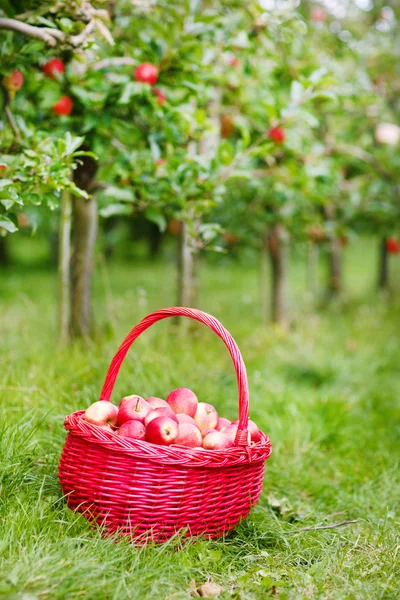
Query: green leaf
[155, 216]
[78, 192]
[124, 194]
[72, 143]
[7, 224]
[115, 209]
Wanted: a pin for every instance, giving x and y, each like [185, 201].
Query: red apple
[102, 412]
[277, 134]
[106, 427]
[252, 428]
[217, 441]
[14, 81]
[206, 416]
[162, 431]
[205, 432]
[146, 73]
[63, 107]
[156, 402]
[161, 98]
[318, 15]
[182, 418]
[133, 408]
[221, 423]
[133, 429]
[53, 68]
[234, 61]
[2, 166]
[392, 245]
[162, 411]
[188, 435]
[183, 400]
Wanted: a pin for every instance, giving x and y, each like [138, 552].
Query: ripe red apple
[161, 98]
[221, 423]
[206, 416]
[217, 441]
[183, 400]
[392, 245]
[182, 418]
[63, 107]
[146, 73]
[14, 81]
[102, 412]
[234, 61]
[133, 429]
[252, 428]
[133, 408]
[156, 402]
[106, 427]
[162, 411]
[2, 166]
[205, 432]
[162, 430]
[277, 134]
[318, 15]
[189, 435]
[53, 68]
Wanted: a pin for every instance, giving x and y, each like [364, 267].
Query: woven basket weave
[151, 492]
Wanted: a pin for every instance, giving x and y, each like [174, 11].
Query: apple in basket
[255, 433]
[157, 402]
[189, 435]
[182, 418]
[163, 411]
[222, 422]
[162, 431]
[133, 429]
[183, 400]
[102, 412]
[206, 416]
[133, 408]
[217, 441]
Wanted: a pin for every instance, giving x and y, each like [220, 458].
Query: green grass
[327, 393]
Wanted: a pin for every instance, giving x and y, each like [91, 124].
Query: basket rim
[173, 454]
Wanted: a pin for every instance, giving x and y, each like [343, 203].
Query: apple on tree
[277, 134]
[146, 73]
[14, 81]
[54, 68]
[393, 245]
[63, 107]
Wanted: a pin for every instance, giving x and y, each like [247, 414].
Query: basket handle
[212, 323]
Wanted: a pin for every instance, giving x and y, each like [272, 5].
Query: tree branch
[77, 40]
[9, 114]
[46, 34]
[114, 62]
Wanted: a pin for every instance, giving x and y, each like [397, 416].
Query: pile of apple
[180, 419]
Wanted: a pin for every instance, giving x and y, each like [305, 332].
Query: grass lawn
[327, 393]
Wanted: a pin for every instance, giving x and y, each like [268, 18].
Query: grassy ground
[327, 394]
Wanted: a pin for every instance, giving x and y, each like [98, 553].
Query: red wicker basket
[151, 492]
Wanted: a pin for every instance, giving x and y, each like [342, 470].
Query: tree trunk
[187, 272]
[334, 268]
[154, 237]
[64, 260]
[383, 274]
[279, 259]
[84, 238]
[4, 257]
[312, 270]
